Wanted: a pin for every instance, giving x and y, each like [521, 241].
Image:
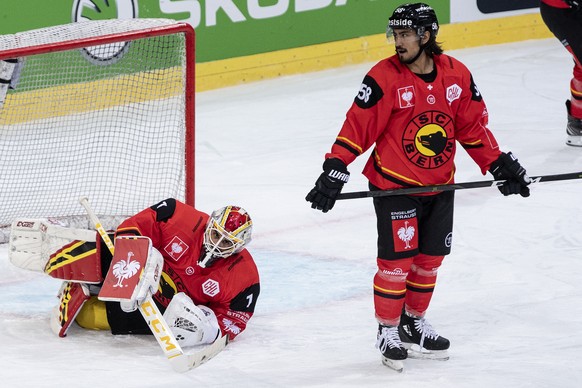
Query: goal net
[103, 109]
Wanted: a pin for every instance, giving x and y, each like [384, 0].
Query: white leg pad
[33, 240]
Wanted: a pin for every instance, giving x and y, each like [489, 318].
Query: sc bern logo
[84, 10]
[428, 139]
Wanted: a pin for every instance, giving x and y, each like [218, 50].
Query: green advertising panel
[23, 15]
[232, 28]
[225, 28]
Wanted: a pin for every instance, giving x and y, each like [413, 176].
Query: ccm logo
[25, 224]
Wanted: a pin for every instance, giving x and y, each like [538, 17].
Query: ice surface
[508, 297]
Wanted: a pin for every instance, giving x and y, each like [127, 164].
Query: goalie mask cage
[103, 109]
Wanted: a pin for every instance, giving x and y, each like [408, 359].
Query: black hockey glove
[328, 185]
[507, 168]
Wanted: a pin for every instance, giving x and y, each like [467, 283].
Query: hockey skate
[393, 352]
[421, 340]
[573, 128]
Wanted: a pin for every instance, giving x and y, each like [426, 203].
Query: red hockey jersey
[230, 287]
[415, 124]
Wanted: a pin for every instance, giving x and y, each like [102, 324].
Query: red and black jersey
[415, 124]
[230, 287]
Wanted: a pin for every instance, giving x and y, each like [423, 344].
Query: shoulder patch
[369, 94]
[475, 93]
[246, 300]
[164, 209]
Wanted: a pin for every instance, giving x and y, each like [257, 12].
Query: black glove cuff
[336, 170]
[502, 161]
[507, 167]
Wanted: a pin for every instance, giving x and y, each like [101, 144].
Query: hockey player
[564, 19]
[413, 106]
[208, 286]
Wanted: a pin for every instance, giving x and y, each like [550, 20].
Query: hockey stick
[180, 361]
[453, 186]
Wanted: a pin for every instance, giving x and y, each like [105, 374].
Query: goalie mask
[228, 232]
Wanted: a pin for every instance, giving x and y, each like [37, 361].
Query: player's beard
[406, 57]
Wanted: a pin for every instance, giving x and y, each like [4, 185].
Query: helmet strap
[412, 60]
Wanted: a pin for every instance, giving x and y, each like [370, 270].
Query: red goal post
[103, 109]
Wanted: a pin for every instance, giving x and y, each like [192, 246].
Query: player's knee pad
[394, 269]
[426, 264]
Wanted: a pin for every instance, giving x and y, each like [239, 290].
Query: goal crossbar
[71, 105]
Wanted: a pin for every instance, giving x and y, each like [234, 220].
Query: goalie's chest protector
[179, 238]
[177, 231]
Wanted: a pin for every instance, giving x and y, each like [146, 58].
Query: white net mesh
[106, 122]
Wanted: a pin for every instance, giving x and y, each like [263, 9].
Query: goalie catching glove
[329, 185]
[192, 325]
[507, 168]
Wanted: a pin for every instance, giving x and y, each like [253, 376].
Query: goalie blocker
[134, 272]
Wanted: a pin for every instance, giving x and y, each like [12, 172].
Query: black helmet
[417, 16]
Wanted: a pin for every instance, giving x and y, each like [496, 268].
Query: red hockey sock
[390, 289]
[420, 283]
[576, 100]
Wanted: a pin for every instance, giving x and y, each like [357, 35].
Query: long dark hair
[432, 47]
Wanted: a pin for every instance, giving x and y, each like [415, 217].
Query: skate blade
[416, 352]
[575, 141]
[396, 365]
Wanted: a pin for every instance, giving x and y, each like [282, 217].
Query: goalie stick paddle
[453, 186]
[180, 361]
[194, 360]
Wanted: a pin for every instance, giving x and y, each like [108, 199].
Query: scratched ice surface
[508, 296]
